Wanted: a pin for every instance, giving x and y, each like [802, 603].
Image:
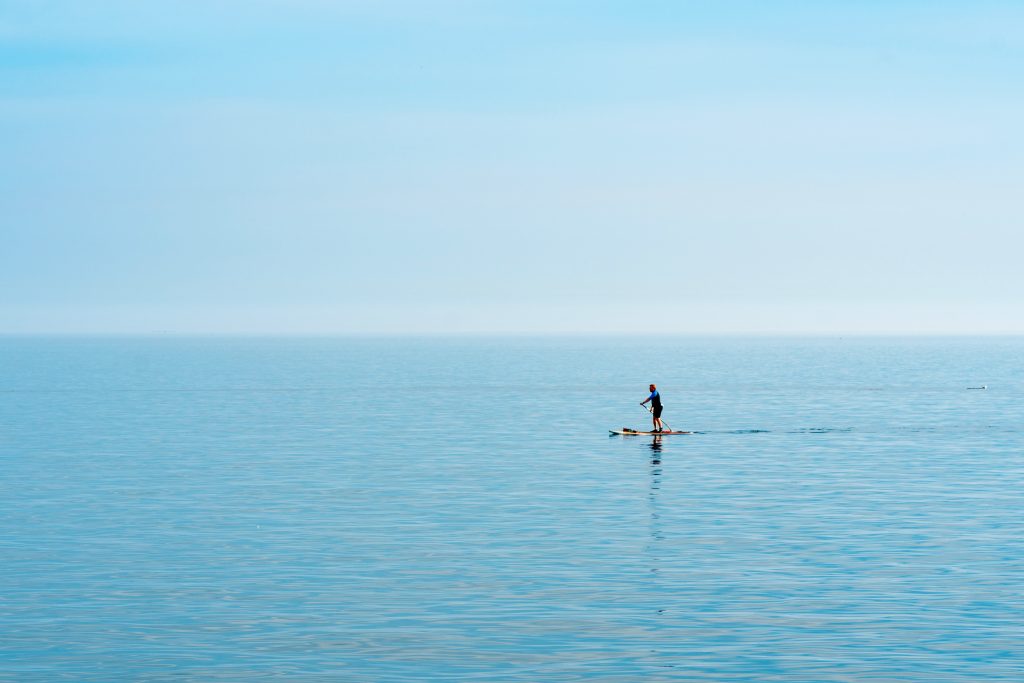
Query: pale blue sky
[292, 166]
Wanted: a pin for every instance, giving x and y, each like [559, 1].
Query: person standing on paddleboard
[655, 399]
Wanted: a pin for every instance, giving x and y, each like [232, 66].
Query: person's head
[653, 387]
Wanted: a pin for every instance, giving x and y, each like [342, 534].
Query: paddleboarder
[655, 399]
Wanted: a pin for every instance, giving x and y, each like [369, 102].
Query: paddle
[664, 424]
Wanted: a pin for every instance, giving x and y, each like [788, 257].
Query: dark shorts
[657, 411]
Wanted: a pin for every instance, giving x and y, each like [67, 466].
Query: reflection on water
[653, 549]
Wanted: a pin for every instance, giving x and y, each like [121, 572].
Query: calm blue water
[453, 509]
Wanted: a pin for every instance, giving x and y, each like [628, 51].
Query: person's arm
[644, 402]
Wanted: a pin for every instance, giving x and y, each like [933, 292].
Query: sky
[401, 167]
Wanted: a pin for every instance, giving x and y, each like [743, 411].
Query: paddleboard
[625, 431]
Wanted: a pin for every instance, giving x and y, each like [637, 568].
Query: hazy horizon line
[515, 333]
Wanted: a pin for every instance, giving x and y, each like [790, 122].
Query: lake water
[234, 509]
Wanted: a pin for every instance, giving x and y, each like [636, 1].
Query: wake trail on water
[801, 430]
